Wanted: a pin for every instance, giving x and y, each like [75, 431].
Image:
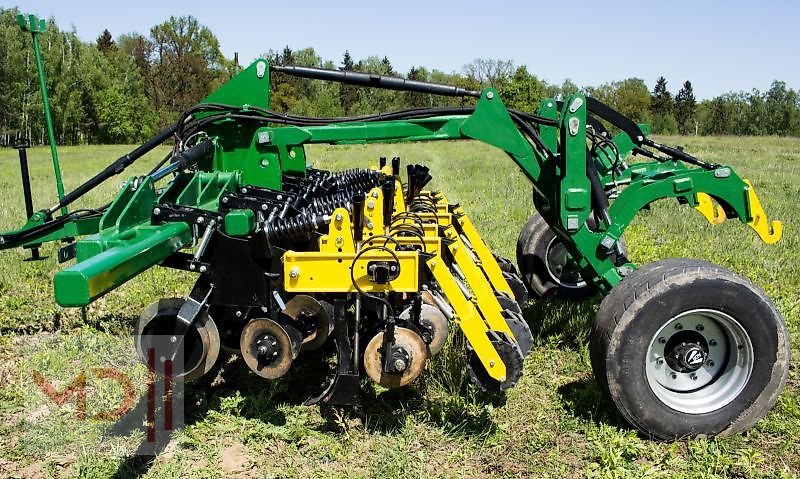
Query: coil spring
[296, 227]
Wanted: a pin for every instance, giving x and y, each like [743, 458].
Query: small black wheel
[505, 264]
[545, 265]
[685, 348]
[517, 287]
[512, 358]
[519, 327]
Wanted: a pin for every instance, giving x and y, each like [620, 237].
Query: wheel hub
[699, 361]
[686, 353]
[267, 348]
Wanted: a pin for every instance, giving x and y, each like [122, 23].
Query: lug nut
[712, 342]
[679, 326]
[662, 340]
[693, 376]
[699, 327]
[673, 376]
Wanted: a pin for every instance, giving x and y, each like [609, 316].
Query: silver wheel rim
[725, 369]
[556, 261]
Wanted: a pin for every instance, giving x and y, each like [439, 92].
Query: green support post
[36, 26]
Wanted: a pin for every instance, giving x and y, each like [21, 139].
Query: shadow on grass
[586, 400]
[559, 320]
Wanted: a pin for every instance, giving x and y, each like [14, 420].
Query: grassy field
[554, 423]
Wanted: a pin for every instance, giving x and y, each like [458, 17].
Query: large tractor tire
[685, 348]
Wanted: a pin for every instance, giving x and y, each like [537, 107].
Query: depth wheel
[545, 264]
[685, 348]
[269, 348]
[411, 352]
[156, 333]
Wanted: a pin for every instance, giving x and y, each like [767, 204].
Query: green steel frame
[122, 242]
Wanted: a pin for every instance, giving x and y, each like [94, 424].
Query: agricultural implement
[290, 259]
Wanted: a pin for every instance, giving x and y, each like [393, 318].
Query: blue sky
[720, 46]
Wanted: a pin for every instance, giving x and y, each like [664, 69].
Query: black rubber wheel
[685, 348]
[543, 263]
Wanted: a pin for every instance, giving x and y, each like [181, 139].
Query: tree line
[124, 89]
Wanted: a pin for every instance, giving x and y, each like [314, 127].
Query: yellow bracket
[340, 234]
[485, 257]
[769, 233]
[713, 212]
[322, 272]
[468, 319]
[477, 282]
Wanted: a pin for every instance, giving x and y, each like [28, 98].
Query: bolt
[375, 194]
[490, 95]
[693, 376]
[264, 207]
[203, 268]
[679, 326]
[238, 314]
[699, 327]
[162, 359]
[662, 340]
[156, 211]
[192, 266]
[244, 191]
[200, 220]
[173, 339]
[263, 350]
[491, 364]
[339, 217]
[370, 204]
[339, 241]
[399, 365]
[712, 342]
[225, 199]
[369, 225]
[294, 273]
[502, 379]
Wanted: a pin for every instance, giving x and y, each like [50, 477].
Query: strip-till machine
[291, 258]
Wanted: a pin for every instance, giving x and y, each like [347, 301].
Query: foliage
[685, 109]
[121, 90]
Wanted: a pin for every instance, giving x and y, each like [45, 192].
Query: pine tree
[386, 67]
[661, 108]
[661, 99]
[105, 42]
[348, 94]
[415, 99]
[685, 108]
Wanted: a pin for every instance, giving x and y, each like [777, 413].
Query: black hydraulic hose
[114, 168]
[680, 155]
[374, 80]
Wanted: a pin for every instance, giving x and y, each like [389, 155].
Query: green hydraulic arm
[124, 239]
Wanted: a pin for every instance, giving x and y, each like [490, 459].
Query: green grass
[554, 423]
